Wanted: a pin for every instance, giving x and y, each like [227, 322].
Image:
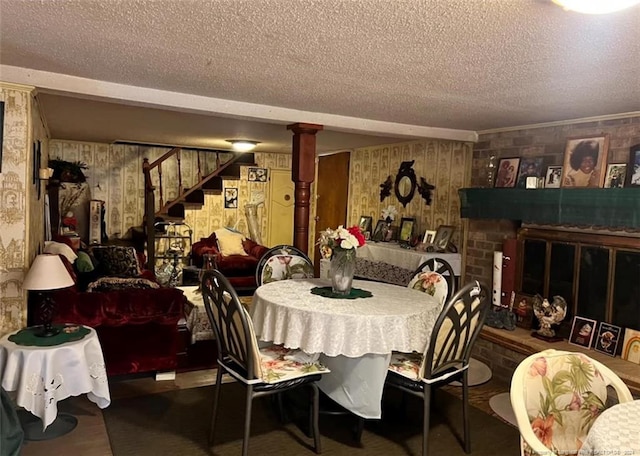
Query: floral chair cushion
[563, 397]
[406, 364]
[278, 366]
[432, 283]
[284, 267]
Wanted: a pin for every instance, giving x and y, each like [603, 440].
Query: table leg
[32, 426]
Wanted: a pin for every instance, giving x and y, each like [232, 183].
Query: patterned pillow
[117, 283]
[117, 260]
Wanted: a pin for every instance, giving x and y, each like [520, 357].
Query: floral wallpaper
[444, 164]
[19, 203]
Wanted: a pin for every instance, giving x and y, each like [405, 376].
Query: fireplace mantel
[599, 207]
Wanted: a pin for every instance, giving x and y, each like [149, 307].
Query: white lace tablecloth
[354, 336]
[43, 376]
[615, 432]
[393, 254]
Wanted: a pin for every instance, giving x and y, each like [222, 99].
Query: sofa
[236, 257]
[135, 318]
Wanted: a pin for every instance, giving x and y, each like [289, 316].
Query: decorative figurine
[548, 314]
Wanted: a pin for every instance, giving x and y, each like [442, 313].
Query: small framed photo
[616, 173]
[507, 172]
[380, 232]
[607, 339]
[230, 198]
[633, 169]
[585, 161]
[631, 346]
[554, 177]
[365, 223]
[529, 167]
[582, 331]
[392, 234]
[523, 309]
[406, 229]
[429, 236]
[257, 175]
[443, 236]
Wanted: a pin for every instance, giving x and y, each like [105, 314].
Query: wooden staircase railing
[183, 193]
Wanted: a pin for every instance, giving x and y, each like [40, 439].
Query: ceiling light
[595, 6]
[242, 145]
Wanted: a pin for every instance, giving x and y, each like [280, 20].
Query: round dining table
[615, 432]
[353, 337]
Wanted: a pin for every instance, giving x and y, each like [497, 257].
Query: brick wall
[485, 236]
[502, 360]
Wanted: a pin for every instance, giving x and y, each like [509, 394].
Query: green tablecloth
[27, 336]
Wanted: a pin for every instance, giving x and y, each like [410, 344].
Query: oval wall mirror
[405, 183]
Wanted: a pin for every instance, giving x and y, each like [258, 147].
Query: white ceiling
[198, 72]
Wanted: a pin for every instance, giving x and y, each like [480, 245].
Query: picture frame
[553, 177]
[443, 236]
[616, 175]
[406, 229]
[380, 231]
[633, 168]
[529, 167]
[523, 310]
[230, 198]
[585, 161]
[392, 234]
[507, 172]
[631, 346]
[607, 339]
[582, 331]
[257, 175]
[429, 236]
[365, 223]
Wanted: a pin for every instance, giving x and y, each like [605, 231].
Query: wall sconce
[242, 145]
[45, 173]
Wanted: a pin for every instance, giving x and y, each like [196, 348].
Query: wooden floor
[90, 438]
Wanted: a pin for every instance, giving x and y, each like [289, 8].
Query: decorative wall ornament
[424, 189]
[385, 188]
[405, 183]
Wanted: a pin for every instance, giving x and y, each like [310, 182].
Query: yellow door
[281, 206]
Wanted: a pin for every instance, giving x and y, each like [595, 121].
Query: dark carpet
[177, 423]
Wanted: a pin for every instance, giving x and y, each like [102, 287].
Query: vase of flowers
[340, 247]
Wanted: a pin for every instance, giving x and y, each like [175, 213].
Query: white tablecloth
[42, 376]
[615, 431]
[354, 336]
[393, 254]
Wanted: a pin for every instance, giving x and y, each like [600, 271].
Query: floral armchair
[556, 396]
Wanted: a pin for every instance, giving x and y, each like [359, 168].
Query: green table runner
[68, 333]
[327, 292]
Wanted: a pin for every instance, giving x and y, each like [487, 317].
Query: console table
[392, 253]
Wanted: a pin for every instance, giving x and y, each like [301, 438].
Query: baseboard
[166, 375]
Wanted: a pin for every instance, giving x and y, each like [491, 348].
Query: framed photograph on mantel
[607, 339]
[406, 229]
[585, 161]
[633, 169]
[582, 331]
[365, 224]
[507, 172]
[443, 236]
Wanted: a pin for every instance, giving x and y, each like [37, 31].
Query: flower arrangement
[389, 213]
[340, 239]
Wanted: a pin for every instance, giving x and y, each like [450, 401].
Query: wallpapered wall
[115, 176]
[19, 203]
[445, 164]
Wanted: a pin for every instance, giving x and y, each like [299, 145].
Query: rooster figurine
[549, 314]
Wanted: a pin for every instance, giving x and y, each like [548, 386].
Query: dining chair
[283, 262]
[556, 396]
[446, 357]
[420, 280]
[263, 371]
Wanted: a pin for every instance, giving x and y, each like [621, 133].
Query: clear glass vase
[341, 271]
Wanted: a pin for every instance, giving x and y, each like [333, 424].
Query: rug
[177, 422]
[501, 405]
[479, 373]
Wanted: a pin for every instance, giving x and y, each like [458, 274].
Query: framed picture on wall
[230, 198]
[633, 169]
[507, 172]
[582, 331]
[616, 175]
[554, 177]
[585, 161]
[607, 339]
[257, 175]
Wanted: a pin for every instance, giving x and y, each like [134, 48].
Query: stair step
[247, 159]
[196, 197]
[213, 185]
[177, 210]
[232, 172]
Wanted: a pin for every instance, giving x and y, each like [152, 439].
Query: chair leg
[216, 403]
[359, 429]
[465, 411]
[425, 420]
[314, 417]
[247, 420]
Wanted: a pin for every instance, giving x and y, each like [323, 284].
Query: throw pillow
[58, 248]
[120, 283]
[117, 260]
[230, 243]
[84, 263]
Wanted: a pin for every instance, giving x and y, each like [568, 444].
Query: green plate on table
[327, 292]
[68, 333]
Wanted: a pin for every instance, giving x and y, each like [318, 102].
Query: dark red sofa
[240, 270]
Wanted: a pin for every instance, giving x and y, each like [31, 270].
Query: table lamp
[47, 273]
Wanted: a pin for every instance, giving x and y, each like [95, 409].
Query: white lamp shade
[47, 273]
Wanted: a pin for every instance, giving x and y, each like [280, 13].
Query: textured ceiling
[385, 68]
